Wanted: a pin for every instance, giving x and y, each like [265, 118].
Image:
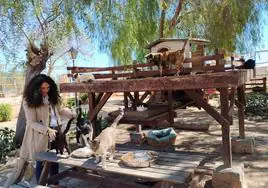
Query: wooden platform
[175, 167]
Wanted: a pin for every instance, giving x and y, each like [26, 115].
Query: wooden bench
[172, 167]
[256, 82]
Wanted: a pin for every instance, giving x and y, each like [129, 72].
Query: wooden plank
[98, 107]
[99, 69]
[181, 171]
[226, 140]
[177, 177]
[205, 81]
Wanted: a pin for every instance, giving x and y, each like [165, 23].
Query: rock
[243, 146]
[229, 177]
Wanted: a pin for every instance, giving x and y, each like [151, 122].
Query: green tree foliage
[126, 27]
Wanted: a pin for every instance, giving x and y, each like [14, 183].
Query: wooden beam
[209, 109]
[125, 100]
[205, 81]
[98, 107]
[226, 140]
[146, 93]
[130, 97]
[99, 97]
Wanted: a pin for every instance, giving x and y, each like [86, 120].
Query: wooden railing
[257, 82]
[136, 70]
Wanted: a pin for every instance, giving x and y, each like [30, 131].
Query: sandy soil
[209, 143]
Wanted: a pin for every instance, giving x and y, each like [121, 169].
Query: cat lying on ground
[105, 142]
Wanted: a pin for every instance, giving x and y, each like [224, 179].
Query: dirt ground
[209, 143]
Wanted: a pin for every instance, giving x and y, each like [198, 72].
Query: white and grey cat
[105, 142]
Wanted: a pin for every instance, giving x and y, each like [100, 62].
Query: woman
[41, 104]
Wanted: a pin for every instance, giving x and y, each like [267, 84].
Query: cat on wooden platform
[105, 142]
[60, 141]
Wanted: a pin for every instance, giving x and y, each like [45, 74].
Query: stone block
[229, 177]
[243, 145]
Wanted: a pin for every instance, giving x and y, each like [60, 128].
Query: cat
[60, 141]
[84, 129]
[106, 141]
[165, 59]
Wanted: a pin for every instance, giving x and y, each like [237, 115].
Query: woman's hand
[51, 134]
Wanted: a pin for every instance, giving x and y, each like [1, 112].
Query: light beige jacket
[37, 121]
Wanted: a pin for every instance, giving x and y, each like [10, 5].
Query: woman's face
[44, 88]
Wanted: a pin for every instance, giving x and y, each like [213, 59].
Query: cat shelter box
[194, 47]
[163, 137]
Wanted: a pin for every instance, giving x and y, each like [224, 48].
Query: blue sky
[99, 59]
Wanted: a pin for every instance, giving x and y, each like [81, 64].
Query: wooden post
[170, 107]
[136, 99]
[264, 84]
[91, 105]
[231, 108]
[226, 140]
[241, 107]
[44, 174]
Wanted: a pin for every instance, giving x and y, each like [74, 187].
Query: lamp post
[73, 54]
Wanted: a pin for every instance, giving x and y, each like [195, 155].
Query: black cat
[60, 141]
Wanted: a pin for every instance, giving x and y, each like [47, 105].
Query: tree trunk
[36, 63]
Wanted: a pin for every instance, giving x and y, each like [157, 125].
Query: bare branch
[41, 24]
[173, 20]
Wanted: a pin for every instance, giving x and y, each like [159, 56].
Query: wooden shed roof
[160, 40]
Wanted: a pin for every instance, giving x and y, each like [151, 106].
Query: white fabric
[53, 122]
[45, 99]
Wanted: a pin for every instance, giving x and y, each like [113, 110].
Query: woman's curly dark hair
[33, 95]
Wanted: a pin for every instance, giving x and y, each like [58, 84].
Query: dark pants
[54, 169]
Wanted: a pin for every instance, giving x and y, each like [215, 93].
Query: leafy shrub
[257, 104]
[7, 142]
[71, 103]
[84, 98]
[5, 112]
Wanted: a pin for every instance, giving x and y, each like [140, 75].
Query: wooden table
[228, 83]
[175, 168]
